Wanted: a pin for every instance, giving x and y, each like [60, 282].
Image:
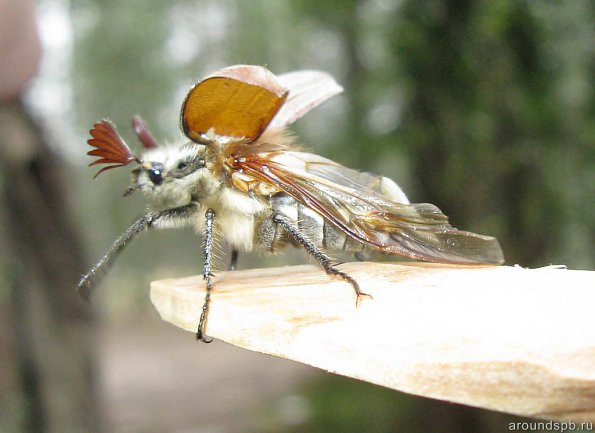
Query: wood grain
[509, 339]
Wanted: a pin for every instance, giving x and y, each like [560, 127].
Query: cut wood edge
[509, 339]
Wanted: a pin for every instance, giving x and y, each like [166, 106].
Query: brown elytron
[234, 103]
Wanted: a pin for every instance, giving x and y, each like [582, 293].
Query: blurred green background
[484, 108]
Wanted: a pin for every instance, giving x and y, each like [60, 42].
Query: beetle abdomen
[311, 224]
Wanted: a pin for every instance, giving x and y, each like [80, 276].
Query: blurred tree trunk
[53, 337]
[484, 124]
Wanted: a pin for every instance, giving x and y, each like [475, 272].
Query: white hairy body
[239, 214]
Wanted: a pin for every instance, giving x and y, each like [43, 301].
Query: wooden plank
[509, 339]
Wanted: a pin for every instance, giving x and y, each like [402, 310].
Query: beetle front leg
[164, 218]
[206, 273]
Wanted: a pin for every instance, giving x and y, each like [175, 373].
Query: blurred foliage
[485, 108]
[488, 121]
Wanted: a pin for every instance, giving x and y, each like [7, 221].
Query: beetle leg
[233, 263]
[324, 260]
[160, 219]
[206, 273]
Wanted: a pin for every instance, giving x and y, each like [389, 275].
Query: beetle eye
[156, 173]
